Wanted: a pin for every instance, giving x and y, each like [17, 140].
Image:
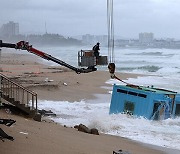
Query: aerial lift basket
[87, 58]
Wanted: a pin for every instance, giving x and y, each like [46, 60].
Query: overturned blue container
[148, 102]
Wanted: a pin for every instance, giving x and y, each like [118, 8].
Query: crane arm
[25, 46]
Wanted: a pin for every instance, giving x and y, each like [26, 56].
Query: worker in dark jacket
[96, 49]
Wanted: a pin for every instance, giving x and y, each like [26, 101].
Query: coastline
[58, 83]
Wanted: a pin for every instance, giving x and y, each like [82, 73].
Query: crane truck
[23, 45]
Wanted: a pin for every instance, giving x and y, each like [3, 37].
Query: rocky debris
[46, 113]
[94, 131]
[121, 152]
[38, 117]
[85, 129]
[76, 126]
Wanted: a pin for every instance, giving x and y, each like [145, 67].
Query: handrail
[32, 92]
[18, 92]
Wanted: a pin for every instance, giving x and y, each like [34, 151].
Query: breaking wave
[96, 115]
[147, 68]
[150, 68]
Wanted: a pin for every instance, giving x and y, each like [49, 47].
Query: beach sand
[59, 83]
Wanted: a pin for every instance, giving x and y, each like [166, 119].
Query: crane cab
[86, 58]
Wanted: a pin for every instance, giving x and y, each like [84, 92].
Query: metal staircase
[19, 96]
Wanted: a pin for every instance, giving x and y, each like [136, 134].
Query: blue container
[148, 102]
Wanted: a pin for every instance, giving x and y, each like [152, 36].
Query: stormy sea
[162, 67]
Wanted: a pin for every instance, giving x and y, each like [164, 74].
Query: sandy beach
[59, 83]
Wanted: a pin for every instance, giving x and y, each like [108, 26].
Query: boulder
[94, 131]
[85, 129]
[76, 126]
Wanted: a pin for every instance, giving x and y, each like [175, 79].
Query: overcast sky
[77, 17]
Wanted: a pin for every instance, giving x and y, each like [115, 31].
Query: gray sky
[77, 17]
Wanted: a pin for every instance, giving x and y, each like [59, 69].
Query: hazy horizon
[72, 18]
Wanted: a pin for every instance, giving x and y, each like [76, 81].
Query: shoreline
[57, 83]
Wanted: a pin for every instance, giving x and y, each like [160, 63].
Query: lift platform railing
[17, 92]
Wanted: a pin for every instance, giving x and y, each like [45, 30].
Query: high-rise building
[146, 38]
[9, 29]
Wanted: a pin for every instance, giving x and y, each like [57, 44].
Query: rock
[83, 128]
[76, 126]
[46, 113]
[94, 131]
[38, 117]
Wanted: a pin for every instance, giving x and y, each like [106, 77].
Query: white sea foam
[164, 133]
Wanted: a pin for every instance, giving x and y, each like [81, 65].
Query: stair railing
[17, 92]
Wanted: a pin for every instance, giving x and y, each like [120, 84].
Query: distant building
[122, 42]
[103, 39]
[146, 38]
[88, 39]
[9, 29]
[92, 39]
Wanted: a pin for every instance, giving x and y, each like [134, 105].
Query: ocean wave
[147, 53]
[96, 115]
[131, 61]
[148, 68]
[152, 54]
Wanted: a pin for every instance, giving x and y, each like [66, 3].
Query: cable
[111, 55]
[110, 24]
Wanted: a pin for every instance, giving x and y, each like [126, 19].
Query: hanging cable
[110, 24]
[111, 55]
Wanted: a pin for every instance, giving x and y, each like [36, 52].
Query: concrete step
[18, 104]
